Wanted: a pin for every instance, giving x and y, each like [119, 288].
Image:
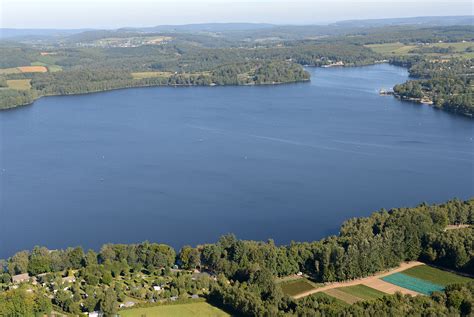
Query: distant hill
[9, 33]
[427, 21]
[242, 30]
[205, 27]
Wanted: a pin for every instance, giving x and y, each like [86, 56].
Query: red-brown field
[33, 69]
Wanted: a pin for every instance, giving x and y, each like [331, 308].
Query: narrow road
[370, 280]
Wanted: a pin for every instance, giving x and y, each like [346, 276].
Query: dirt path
[371, 280]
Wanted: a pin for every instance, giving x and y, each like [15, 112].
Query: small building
[20, 278]
[157, 288]
[68, 279]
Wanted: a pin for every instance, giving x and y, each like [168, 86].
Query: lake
[186, 165]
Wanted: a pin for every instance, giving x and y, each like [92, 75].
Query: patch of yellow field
[6, 71]
[19, 84]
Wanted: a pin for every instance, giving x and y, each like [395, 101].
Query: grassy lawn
[180, 310]
[362, 291]
[19, 84]
[435, 275]
[296, 287]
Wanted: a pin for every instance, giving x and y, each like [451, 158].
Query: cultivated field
[19, 84]
[362, 291]
[413, 283]
[371, 281]
[295, 287]
[416, 279]
[32, 69]
[343, 296]
[202, 309]
[435, 275]
[389, 288]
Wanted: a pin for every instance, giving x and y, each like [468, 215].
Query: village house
[20, 278]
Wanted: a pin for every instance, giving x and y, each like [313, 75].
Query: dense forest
[245, 271]
[446, 83]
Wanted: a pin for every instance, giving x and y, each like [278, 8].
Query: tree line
[246, 270]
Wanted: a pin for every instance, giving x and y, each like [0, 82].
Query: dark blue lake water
[186, 165]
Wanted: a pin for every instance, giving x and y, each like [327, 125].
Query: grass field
[296, 287]
[19, 84]
[412, 283]
[362, 291]
[435, 275]
[202, 309]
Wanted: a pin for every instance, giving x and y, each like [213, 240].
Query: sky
[120, 13]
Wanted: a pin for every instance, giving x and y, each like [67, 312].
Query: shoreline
[153, 86]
